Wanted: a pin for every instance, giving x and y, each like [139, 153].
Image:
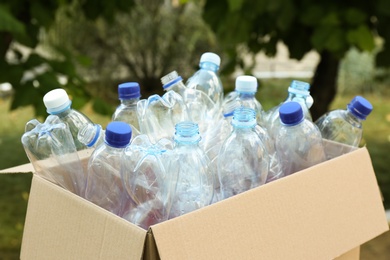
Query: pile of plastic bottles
[168, 155]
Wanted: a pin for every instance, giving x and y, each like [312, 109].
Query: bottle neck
[352, 119]
[209, 66]
[130, 101]
[246, 95]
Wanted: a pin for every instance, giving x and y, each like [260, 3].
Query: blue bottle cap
[118, 134]
[129, 90]
[291, 113]
[360, 107]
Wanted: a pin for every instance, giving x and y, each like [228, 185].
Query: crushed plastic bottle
[298, 91]
[91, 135]
[298, 141]
[144, 176]
[206, 79]
[190, 179]
[345, 126]
[104, 184]
[159, 115]
[57, 103]
[243, 161]
[52, 152]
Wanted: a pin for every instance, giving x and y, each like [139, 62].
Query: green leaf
[362, 38]
[235, 5]
[9, 23]
[102, 107]
[354, 16]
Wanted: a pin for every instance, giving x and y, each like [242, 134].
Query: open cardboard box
[324, 212]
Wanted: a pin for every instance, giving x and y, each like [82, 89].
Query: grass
[14, 188]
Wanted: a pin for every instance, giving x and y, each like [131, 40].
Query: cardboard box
[324, 212]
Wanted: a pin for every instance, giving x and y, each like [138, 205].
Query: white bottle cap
[210, 57]
[246, 84]
[56, 101]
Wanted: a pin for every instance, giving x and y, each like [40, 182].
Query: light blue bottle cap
[360, 107]
[118, 134]
[129, 90]
[246, 84]
[187, 132]
[291, 113]
[170, 79]
[210, 57]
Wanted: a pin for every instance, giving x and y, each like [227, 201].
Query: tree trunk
[324, 85]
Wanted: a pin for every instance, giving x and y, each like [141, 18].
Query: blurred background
[88, 47]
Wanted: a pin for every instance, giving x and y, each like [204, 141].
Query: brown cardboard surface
[61, 225]
[19, 169]
[353, 254]
[318, 213]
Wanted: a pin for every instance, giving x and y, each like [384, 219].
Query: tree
[329, 27]
[25, 66]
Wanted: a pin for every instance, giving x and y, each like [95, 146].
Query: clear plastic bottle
[245, 91]
[201, 109]
[298, 91]
[159, 115]
[298, 141]
[144, 175]
[190, 179]
[57, 103]
[104, 184]
[129, 94]
[345, 126]
[52, 152]
[243, 161]
[91, 135]
[206, 79]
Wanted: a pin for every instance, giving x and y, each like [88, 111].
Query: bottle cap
[170, 79]
[360, 107]
[246, 84]
[291, 113]
[187, 132]
[129, 90]
[299, 87]
[210, 57]
[244, 117]
[56, 101]
[118, 134]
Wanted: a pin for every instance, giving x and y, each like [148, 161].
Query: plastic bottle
[201, 109]
[298, 141]
[52, 152]
[91, 135]
[243, 161]
[57, 103]
[345, 126]
[144, 175]
[159, 115]
[245, 91]
[206, 79]
[298, 91]
[190, 179]
[104, 184]
[129, 94]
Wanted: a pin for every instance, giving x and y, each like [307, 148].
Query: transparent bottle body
[207, 80]
[52, 152]
[242, 162]
[144, 175]
[299, 146]
[159, 115]
[127, 112]
[104, 185]
[76, 121]
[190, 179]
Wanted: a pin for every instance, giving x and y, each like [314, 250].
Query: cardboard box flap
[56, 226]
[318, 213]
[19, 169]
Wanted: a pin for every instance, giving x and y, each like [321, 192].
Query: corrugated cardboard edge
[319, 213]
[353, 254]
[61, 224]
[150, 248]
